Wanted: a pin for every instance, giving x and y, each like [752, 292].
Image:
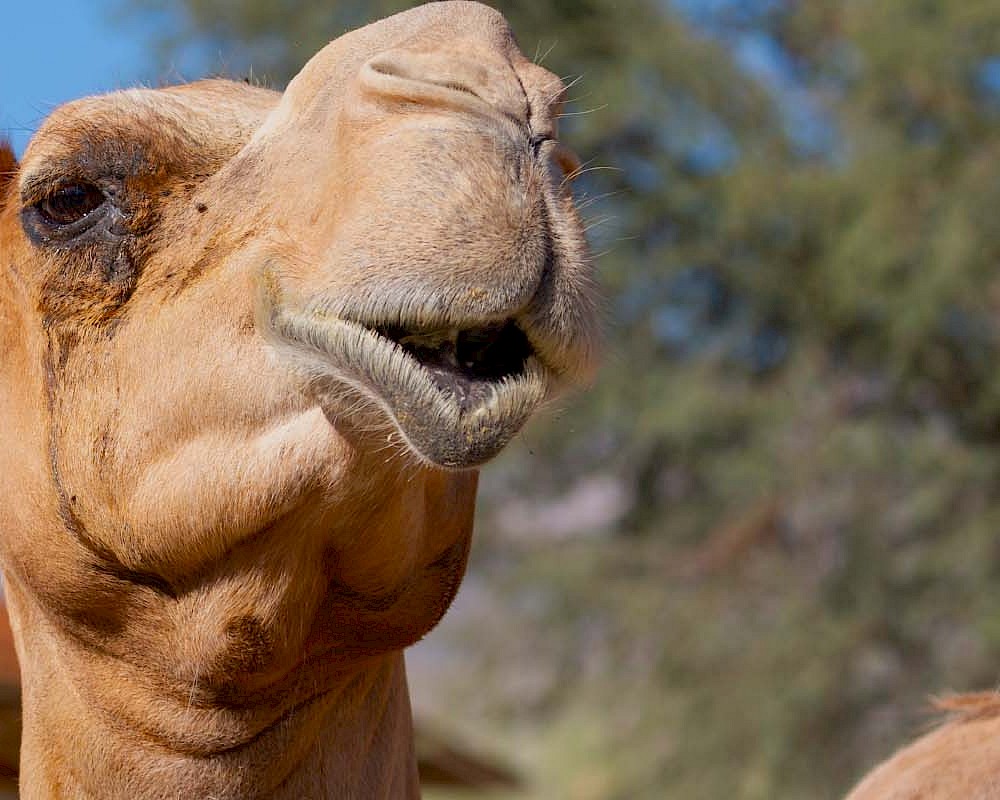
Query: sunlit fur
[960, 760]
[228, 506]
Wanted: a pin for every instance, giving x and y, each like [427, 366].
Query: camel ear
[8, 167]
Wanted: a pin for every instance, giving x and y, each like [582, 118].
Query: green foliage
[803, 311]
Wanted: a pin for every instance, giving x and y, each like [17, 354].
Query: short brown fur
[8, 166]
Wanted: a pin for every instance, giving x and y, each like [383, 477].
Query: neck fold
[348, 735]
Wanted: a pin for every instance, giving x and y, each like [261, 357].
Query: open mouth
[465, 364]
[457, 394]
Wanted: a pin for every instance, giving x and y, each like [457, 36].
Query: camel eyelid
[41, 185]
[35, 188]
[49, 222]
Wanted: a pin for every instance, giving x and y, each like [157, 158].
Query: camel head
[254, 346]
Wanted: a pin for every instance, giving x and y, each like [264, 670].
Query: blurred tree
[794, 202]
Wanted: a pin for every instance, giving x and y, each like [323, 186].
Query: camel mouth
[465, 364]
[456, 394]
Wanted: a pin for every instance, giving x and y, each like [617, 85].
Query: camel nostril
[439, 79]
[454, 86]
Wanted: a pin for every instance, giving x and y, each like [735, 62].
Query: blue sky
[57, 50]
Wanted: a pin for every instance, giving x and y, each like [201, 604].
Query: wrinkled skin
[254, 348]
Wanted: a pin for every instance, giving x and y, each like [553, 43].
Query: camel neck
[91, 731]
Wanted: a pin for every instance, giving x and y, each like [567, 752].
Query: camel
[255, 347]
[959, 760]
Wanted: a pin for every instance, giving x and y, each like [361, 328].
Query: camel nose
[446, 80]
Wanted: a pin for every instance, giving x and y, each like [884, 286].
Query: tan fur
[8, 166]
[960, 760]
[229, 503]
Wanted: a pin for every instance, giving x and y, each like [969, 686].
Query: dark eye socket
[70, 203]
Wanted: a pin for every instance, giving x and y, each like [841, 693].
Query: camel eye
[70, 203]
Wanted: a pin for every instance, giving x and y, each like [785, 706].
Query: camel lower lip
[447, 418]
